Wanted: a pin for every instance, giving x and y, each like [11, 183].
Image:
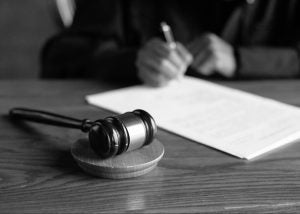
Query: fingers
[162, 51]
[197, 45]
[151, 77]
[205, 62]
[158, 64]
[154, 72]
[213, 55]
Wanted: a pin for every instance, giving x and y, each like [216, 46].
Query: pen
[166, 29]
[168, 34]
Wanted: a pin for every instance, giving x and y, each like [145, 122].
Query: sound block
[127, 165]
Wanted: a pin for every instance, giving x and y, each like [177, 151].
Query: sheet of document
[229, 120]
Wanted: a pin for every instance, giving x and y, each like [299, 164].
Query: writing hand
[212, 54]
[158, 63]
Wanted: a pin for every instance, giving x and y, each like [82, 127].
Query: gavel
[108, 137]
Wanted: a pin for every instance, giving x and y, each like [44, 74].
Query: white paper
[229, 120]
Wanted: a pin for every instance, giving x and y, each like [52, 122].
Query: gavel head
[117, 134]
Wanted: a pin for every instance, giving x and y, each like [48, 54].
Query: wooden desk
[38, 174]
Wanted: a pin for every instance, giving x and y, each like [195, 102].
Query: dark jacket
[106, 34]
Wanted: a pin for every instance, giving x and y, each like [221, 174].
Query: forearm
[65, 56]
[113, 64]
[94, 46]
[74, 57]
[258, 62]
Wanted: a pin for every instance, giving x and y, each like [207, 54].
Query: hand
[212, 54]
[158, 63]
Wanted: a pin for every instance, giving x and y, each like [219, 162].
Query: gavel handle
[49, 118]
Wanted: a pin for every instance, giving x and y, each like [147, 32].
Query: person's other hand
[158, 63]
[212, 54]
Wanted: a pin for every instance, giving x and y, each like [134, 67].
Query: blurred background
[24, 28]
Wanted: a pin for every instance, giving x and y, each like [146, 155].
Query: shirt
[106, 34]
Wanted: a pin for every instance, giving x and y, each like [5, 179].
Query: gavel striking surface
[130, 164]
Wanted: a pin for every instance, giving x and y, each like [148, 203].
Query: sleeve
[267, 62]
[94, 46]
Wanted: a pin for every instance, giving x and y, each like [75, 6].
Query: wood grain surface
[39, 175]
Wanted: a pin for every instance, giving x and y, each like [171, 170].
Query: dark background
[24, 28]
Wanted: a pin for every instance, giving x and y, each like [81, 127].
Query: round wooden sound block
[127, 165]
